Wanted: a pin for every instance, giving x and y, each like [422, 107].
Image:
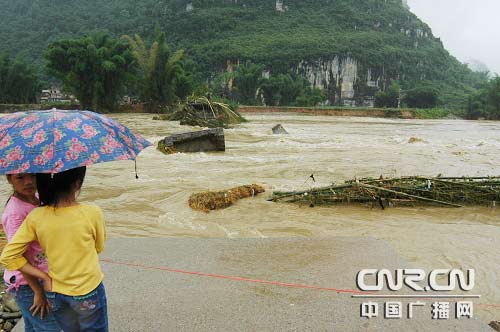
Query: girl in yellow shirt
[72, 235]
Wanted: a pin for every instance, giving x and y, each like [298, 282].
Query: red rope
[277, 283]
[219, 276]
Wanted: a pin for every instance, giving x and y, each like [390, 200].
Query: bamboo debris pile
[203, 112]
[214, 200]
[403, 191]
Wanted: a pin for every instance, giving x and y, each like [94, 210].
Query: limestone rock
[278, 129]
[9, 303]
[8, 326]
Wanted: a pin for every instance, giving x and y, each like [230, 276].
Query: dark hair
[52, 188]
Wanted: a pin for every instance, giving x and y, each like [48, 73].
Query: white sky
[468, 29]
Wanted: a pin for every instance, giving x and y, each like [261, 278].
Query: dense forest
[289, 39]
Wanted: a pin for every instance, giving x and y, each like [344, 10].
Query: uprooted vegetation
[203, 112]
[214, 200]
[404, 191]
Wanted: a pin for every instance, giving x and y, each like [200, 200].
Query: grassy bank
[438, 113]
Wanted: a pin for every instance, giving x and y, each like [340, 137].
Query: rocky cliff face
[349, 81]
[337, 76]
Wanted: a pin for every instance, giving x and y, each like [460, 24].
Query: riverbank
[273, 284]
[400, 113]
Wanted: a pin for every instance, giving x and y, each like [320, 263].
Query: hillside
[349, 48]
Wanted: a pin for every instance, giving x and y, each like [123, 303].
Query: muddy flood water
[333, 149]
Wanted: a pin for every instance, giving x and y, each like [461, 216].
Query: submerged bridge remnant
[196, 141]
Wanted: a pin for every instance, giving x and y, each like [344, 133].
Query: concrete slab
[145, 296]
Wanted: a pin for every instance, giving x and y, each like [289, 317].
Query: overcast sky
[469, 29]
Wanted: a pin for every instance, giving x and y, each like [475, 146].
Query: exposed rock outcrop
[279, 130]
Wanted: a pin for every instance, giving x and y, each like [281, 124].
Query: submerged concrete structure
[196, 141]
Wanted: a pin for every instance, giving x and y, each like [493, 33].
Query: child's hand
[40, 305]
[47, 284]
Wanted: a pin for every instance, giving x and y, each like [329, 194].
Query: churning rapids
[333, 149]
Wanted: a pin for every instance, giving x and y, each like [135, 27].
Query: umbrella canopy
[57, 140]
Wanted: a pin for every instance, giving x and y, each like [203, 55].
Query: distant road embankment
[364, 112]
[398, 113]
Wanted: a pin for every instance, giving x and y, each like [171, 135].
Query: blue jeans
[24, 299]
[86, 313]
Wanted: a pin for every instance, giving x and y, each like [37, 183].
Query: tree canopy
[162, 78]
[485, 103]
[96, 68]
[390, 97]
[19, 82]
[421, 97]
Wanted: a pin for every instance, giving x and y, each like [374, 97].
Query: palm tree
[161, 70]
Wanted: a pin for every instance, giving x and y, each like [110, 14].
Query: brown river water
[333, 149]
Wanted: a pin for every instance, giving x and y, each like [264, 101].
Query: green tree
[493, 98]
[219, 85]
[282, 89]
[162, 78]
[311, 97]
[19, 83]
[247, 79]
[388, 98]
[95, 68]
[486, 101]
[422, 97]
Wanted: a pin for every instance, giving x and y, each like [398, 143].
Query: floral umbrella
[56, 140]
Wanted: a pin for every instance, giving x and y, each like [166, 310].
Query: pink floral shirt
[13, 216]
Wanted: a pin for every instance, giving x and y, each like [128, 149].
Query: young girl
[72, 235]
[26, 289]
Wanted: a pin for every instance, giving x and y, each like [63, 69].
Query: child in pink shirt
[27, 290]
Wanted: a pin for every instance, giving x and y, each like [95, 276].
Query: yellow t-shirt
[71, 238]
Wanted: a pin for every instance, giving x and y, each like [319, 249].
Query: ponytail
[52, 188]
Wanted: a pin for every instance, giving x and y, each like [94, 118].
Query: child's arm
[37, 274]
[33, 283]
[100, 237]
[12, 256]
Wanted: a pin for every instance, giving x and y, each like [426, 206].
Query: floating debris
[415, 140]
[214, 200]
[204, 113]
[403, 191]
[495, 325]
